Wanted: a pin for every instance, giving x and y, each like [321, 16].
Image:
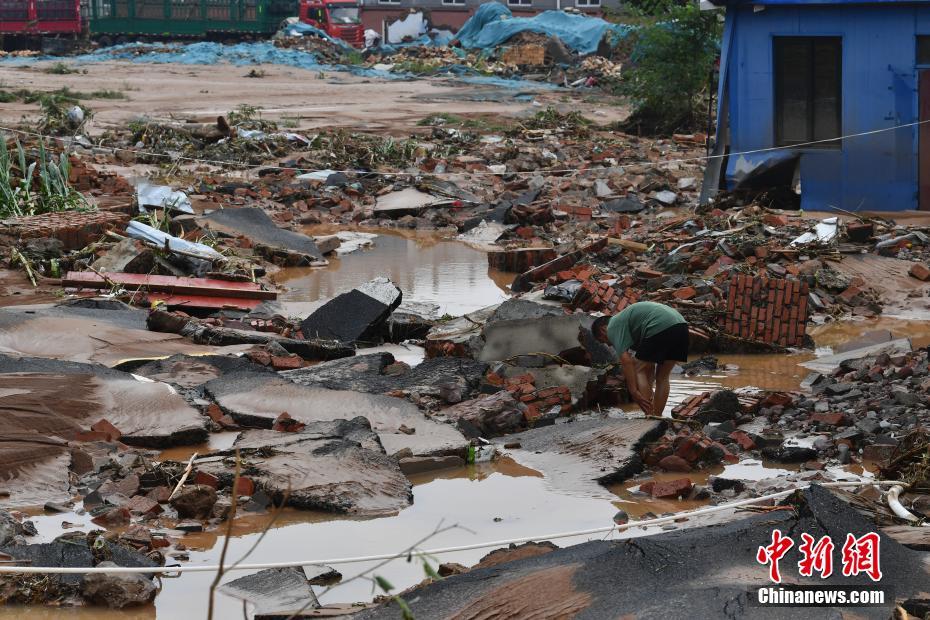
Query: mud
[328, 466]
[258, 400]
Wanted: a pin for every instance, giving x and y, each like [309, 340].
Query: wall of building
[879, 78]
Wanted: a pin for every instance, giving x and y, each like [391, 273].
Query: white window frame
[520, 2]
[453, 2]
[388, 1]
[588, 3]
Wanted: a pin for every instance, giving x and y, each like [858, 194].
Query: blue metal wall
[877, 172]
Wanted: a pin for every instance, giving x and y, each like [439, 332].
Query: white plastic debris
[76, 116]
[162, 197]
[666, 197]
[144, 232]
[316, 175]
[824, 231]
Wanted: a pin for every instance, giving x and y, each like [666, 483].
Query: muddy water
[426, 267]
[489, 501]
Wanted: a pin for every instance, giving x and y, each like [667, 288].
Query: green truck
[117, 21]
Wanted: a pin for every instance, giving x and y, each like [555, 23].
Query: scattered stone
[194, 502]
[117, 590]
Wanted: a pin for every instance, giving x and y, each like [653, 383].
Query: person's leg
[645, 378]
[663, 372]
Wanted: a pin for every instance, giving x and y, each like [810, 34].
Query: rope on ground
[619, 167]
[430, 552]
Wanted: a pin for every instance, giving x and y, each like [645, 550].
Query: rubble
[337, 466]
[354, 316]
[280, 246]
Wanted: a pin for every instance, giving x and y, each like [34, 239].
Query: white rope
[698, 158]
[403, 554]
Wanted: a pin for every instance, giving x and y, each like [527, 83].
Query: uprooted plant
[38, 187]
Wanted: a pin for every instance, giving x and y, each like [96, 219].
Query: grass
[40, 186]
[106, 94]
[60, 68]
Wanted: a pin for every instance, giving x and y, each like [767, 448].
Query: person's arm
[632, 385]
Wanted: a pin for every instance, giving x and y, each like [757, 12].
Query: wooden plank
[168, 284]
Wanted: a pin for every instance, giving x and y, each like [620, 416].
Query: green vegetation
[106, 94]
[37, 187]
[670, 77]
[60, 68]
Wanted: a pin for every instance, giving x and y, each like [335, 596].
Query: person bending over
[658, 335]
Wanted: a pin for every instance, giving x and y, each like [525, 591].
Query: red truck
[35, 19]
[337, 18]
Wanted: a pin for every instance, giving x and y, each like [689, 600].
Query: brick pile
[525, 55]
[596, 293]
[769, 310]
[695, 448]
[85, 178]
[690, 406]
[520, 259]
[537, 401]
[75, 229]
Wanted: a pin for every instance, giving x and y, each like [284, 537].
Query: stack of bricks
[689, 407]
[537, 401]
[594, 295]
[769, 310]
[530, 54]
[75, 229]
[85, 178]
[520, 259]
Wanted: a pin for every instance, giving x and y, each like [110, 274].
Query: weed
[38, 187]
[106, 94]
[256, 73]
[59, 68]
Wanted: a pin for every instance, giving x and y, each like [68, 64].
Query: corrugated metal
[876, 172]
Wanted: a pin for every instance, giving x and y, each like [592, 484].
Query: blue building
[797, 74]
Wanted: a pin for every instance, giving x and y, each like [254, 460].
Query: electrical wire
[404, 554]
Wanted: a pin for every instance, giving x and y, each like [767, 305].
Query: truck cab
[337, 18]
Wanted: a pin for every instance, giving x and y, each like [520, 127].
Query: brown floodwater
[489, 501]
[426, 267]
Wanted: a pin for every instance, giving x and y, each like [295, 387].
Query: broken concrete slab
[294, 248]
[507, 340]
[189, 371]
[408, 201]
[365, 373]
[202, 333]
[88, 330]
[586, 448]
[258, 399]
[275, 593]
[127, 256]
[828, 363]
[713, 574]
[34, 468]
[61, 399]
[70, 552]
[354, 316]
[459, 337]
[488, 416]
[336, 466]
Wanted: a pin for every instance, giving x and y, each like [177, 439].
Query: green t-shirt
[639, 321]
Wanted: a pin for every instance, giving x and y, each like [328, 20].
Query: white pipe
[403, 554]
[898, 508]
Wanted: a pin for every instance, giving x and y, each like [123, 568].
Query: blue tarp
[493, 24]
[302, 29]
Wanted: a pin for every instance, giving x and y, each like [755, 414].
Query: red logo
[859, 555]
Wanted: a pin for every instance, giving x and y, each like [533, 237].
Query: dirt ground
[312, 98]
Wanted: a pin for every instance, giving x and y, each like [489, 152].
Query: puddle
[428, 269]
[833, 334]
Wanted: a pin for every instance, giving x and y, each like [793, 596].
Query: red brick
[920, 271]
[284, 423]
[829, 419]
[674, 463]
[647, 274]
[667, 489]
[202, 477]
[685, 293]
[142, 505]
[104, 426]
[743, 440]
[245, 486]
[771, 219]
[286, 362]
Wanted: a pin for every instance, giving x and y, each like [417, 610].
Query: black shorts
[669, 344]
